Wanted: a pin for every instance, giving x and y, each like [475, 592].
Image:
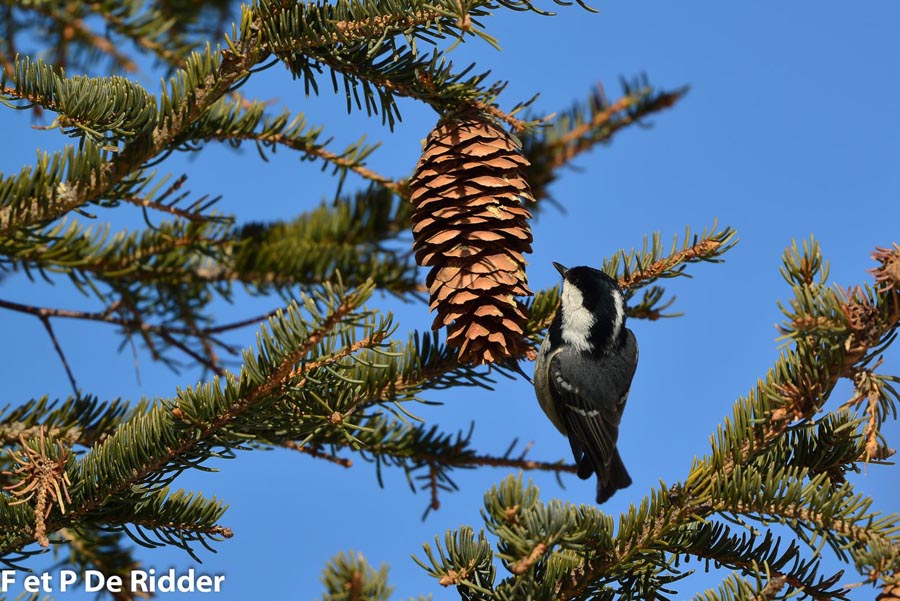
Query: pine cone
[471, 228]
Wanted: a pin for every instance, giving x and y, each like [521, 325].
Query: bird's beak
[560, 268]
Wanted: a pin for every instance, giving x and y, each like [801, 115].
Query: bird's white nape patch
[577, 320]
[619, 304]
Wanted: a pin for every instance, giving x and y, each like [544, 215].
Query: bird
[583, 373]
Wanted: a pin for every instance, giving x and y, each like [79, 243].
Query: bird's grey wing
[590, 398]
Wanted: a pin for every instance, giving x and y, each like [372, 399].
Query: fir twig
[318, 454]
[62, 356]
[138, 325]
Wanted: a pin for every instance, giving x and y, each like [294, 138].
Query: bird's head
[591, 314]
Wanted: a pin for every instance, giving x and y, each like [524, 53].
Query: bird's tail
[617, 478]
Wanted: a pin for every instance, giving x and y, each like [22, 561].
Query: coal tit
[583, 373]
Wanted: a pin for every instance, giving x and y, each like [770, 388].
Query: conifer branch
[383, 67]
[150, 30]
[523, 464]
[847, 530]
[195, 211]
[427, 455]
[777, 580]
[76, 421]
[146, 26]
[75, 29]
[153, 523]
[585, 125]
[188, 258]
[209, 79]
[158, 206]
[175, 452]
[607, 119]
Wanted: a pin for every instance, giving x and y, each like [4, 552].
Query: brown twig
[524, 464]
[313, 452]
[62, 356]
[131, 324]
[207, 362]
[868, 390]
[396, 186]
[157, 206]
[435, 503]
[250, 321]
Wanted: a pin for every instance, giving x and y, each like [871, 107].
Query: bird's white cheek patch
[576, 320]
[619, 303]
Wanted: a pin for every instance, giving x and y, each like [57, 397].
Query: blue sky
[790, 129]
